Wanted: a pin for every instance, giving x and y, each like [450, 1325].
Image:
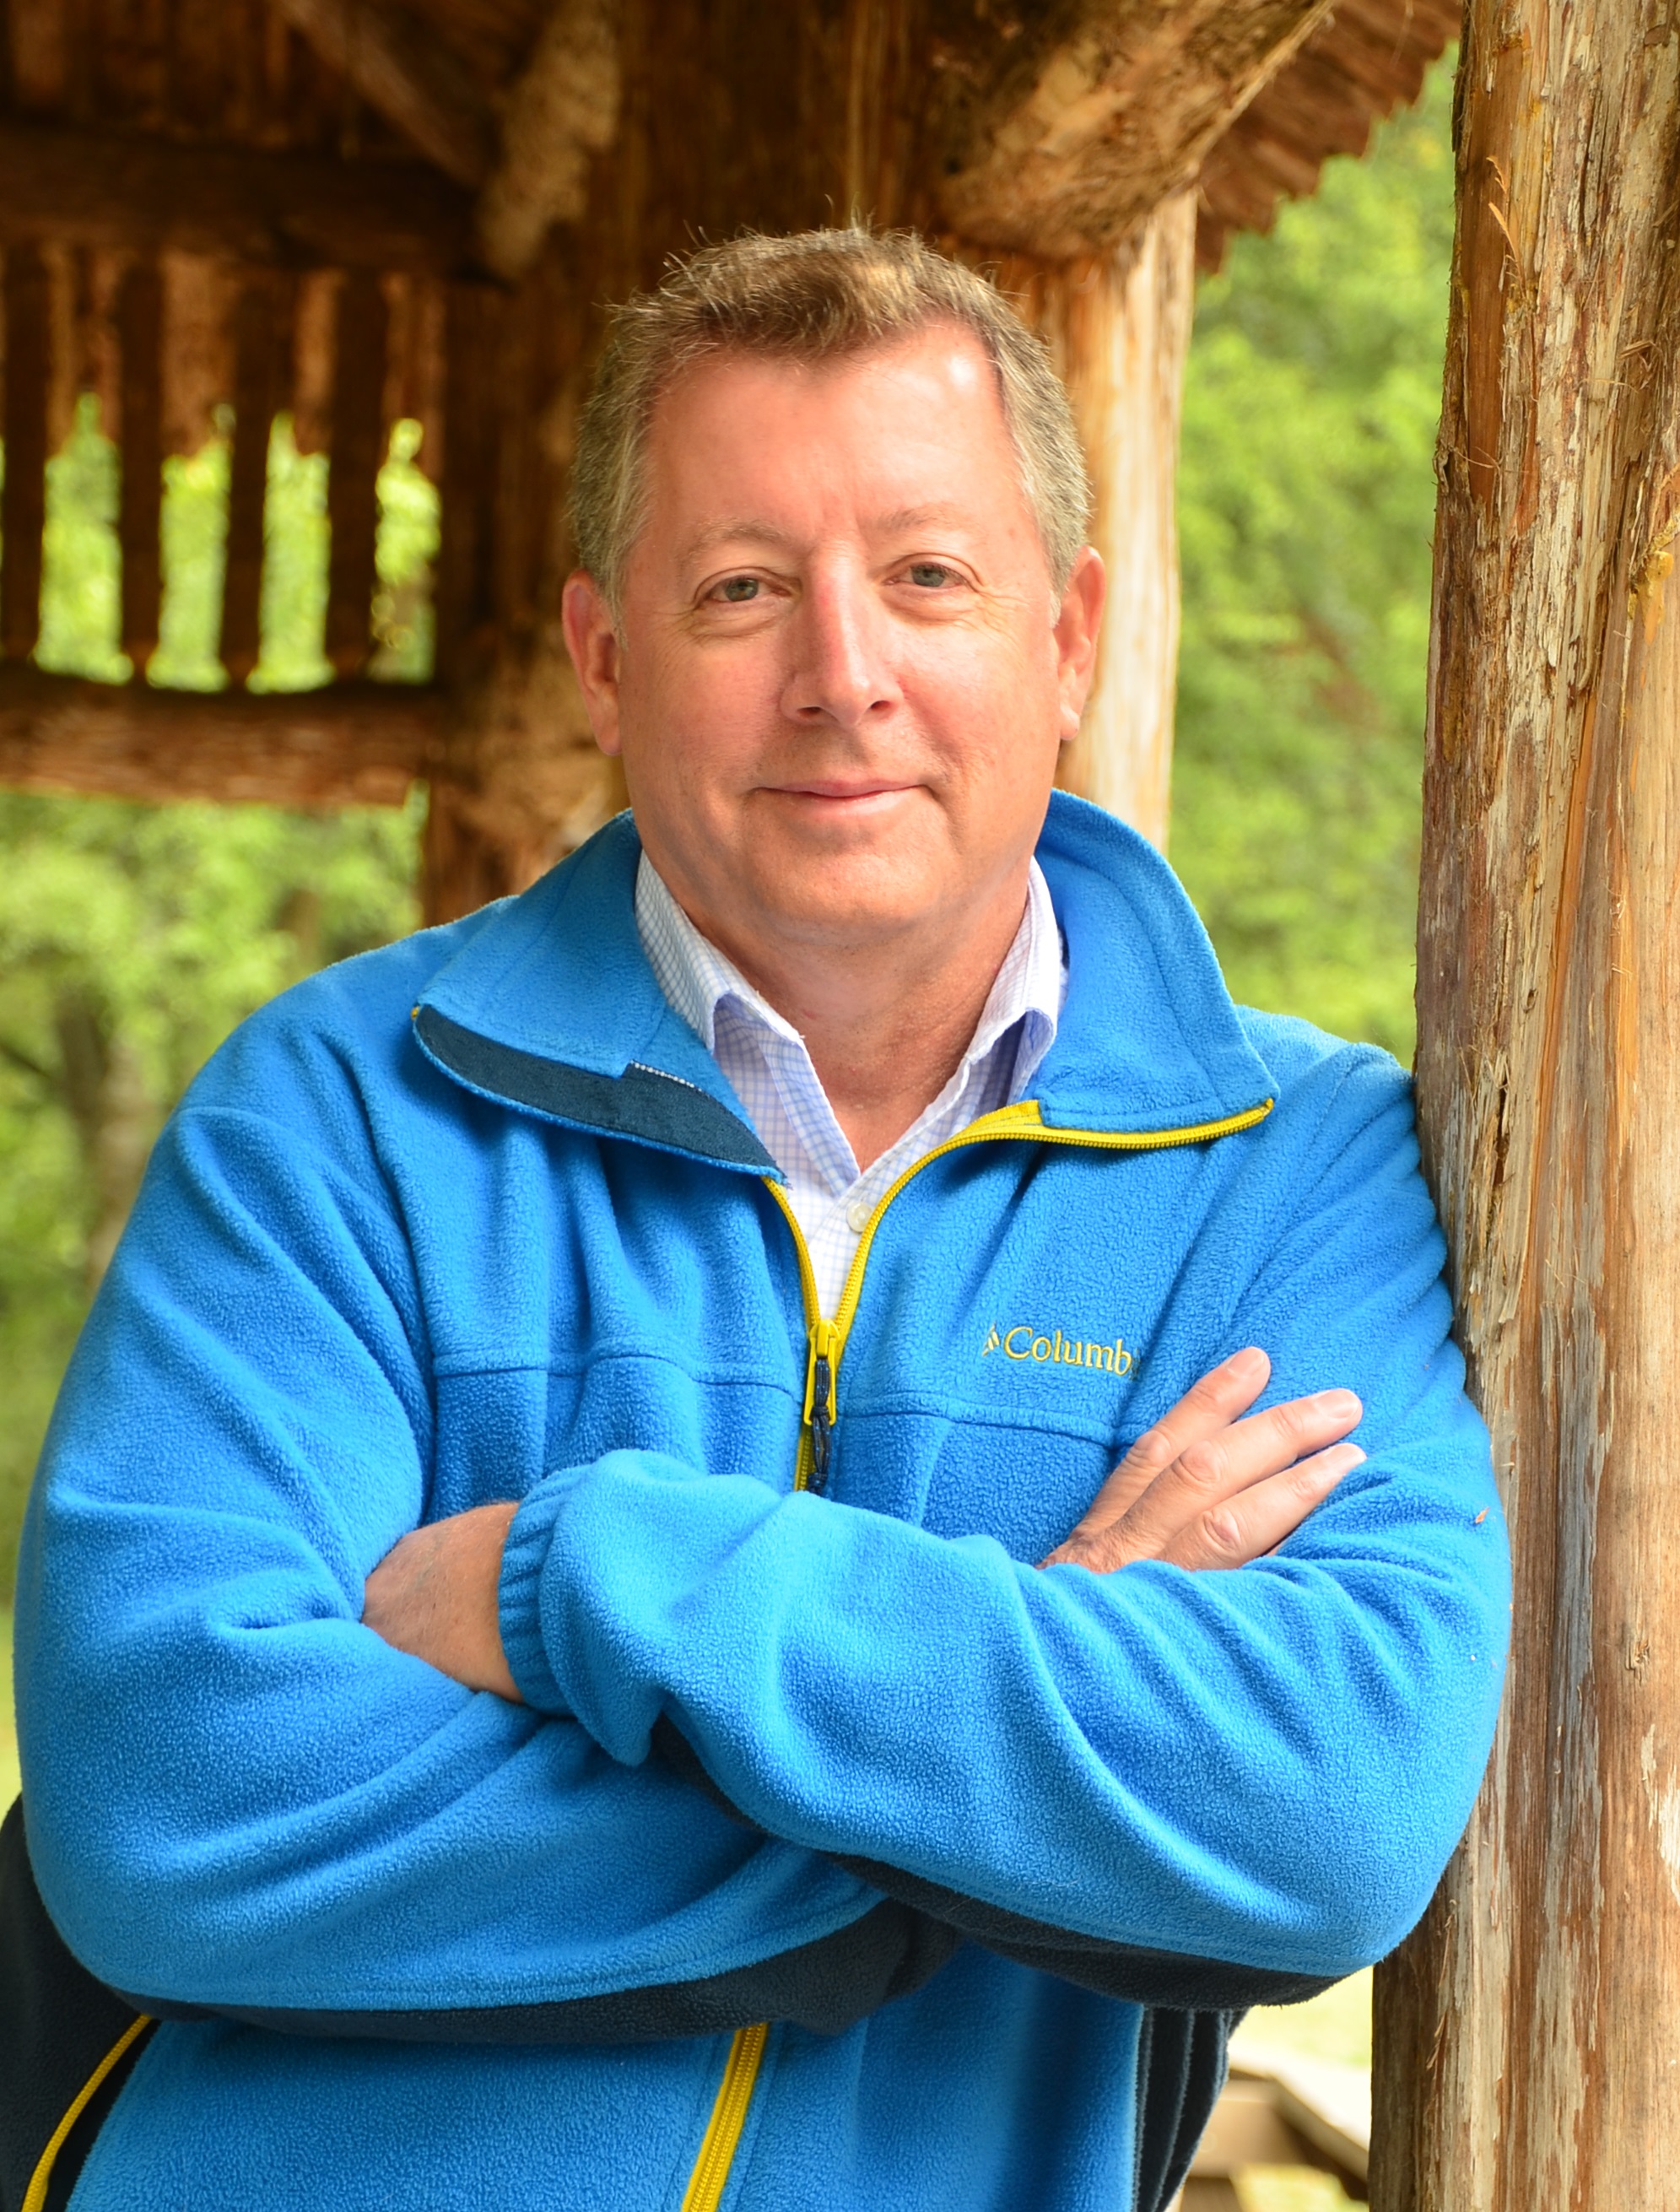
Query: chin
[838, 897]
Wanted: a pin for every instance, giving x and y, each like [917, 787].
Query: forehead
[915, 424]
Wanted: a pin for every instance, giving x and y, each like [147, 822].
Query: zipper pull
[821, 1411]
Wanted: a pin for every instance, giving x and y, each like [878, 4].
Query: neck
[886, 1025]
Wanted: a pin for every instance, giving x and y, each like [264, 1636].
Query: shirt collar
[697, 978]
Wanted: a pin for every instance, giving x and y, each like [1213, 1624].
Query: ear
[1078, 623]
[591, 639]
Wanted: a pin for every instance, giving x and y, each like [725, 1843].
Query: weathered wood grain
[291, 210]
[352, 744]
[1526, 2034]
[1095, 113]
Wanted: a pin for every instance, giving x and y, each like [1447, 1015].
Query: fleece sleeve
[1260, 1770]
[239, 1799]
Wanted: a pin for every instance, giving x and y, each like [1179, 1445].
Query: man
[579, 1644]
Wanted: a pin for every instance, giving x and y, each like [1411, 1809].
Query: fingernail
[1242, 1366]
[1346, 1458]
[1339, 1405]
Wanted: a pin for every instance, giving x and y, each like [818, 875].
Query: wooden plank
[23, 507]
[351, 745]
[289, 210]
[247, 479]
[356, 450]
[397, 64]
[140, 515]
[1525, 2035]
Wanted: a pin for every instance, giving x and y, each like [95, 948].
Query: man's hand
[434, 1594]
[1204, 1488]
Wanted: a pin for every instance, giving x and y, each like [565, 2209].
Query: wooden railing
[369, 267]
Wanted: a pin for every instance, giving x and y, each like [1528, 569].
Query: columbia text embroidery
[1024, 1342]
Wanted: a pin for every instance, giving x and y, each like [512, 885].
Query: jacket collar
[550, 1004]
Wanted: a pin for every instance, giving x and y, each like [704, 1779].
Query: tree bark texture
[1526, 2033]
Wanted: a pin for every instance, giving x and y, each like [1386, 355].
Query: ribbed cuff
[519, 1598]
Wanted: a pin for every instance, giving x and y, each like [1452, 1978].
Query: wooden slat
[351, 745]
[461, 597]
[287, 211]
[254, 391]
[357, 448]
[24, 509]
[140, 515]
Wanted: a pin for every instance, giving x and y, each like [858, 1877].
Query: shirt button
[856, 1216]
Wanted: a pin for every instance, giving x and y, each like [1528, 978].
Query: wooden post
[1121, 328]
[23, 512]
[1526, 2034]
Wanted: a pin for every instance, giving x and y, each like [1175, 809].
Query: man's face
[841, 675]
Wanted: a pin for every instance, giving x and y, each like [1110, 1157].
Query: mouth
[860, 794]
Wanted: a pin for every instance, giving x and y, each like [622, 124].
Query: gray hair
[814, 296]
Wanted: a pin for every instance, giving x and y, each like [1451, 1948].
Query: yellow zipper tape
[710, 2178]
[1024, 1120]
[34, 2196]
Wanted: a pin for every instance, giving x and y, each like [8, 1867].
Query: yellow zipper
[34, 2196]
[826, 1342]
[729, 2116]
[827, 1339]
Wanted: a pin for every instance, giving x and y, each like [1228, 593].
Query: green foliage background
[132, 938]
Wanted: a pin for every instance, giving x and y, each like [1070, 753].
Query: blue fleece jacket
[476, 1217]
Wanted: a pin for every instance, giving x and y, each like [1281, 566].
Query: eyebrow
[750, 529]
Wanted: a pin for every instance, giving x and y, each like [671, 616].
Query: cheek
[986, 698]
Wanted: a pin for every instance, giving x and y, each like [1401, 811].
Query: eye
[932, 575]
[736, 591]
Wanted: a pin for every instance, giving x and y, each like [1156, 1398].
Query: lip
[840, 791]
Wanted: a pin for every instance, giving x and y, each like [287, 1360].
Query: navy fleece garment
[476, 1217]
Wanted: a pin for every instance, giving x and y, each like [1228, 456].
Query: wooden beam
[140, 318]
[562, 110]
[1526, 2033]
[358, 390]
[1061, 141]
[351, 745]
[295, 210]
[1120, 329]
[23, 502]
[398, 64]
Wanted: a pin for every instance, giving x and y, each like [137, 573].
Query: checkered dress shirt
[765, 1058]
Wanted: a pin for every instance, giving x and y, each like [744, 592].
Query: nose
[842, 674]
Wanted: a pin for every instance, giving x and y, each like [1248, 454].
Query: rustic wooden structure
[363, 209]
[1525, 2050]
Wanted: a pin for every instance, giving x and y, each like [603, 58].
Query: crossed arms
[736, 1736]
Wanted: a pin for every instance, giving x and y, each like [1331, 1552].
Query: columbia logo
[1025, 1342]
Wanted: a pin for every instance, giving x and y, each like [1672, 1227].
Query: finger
[1208, 1407]
[1252, 1524]
[1216, 1470]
